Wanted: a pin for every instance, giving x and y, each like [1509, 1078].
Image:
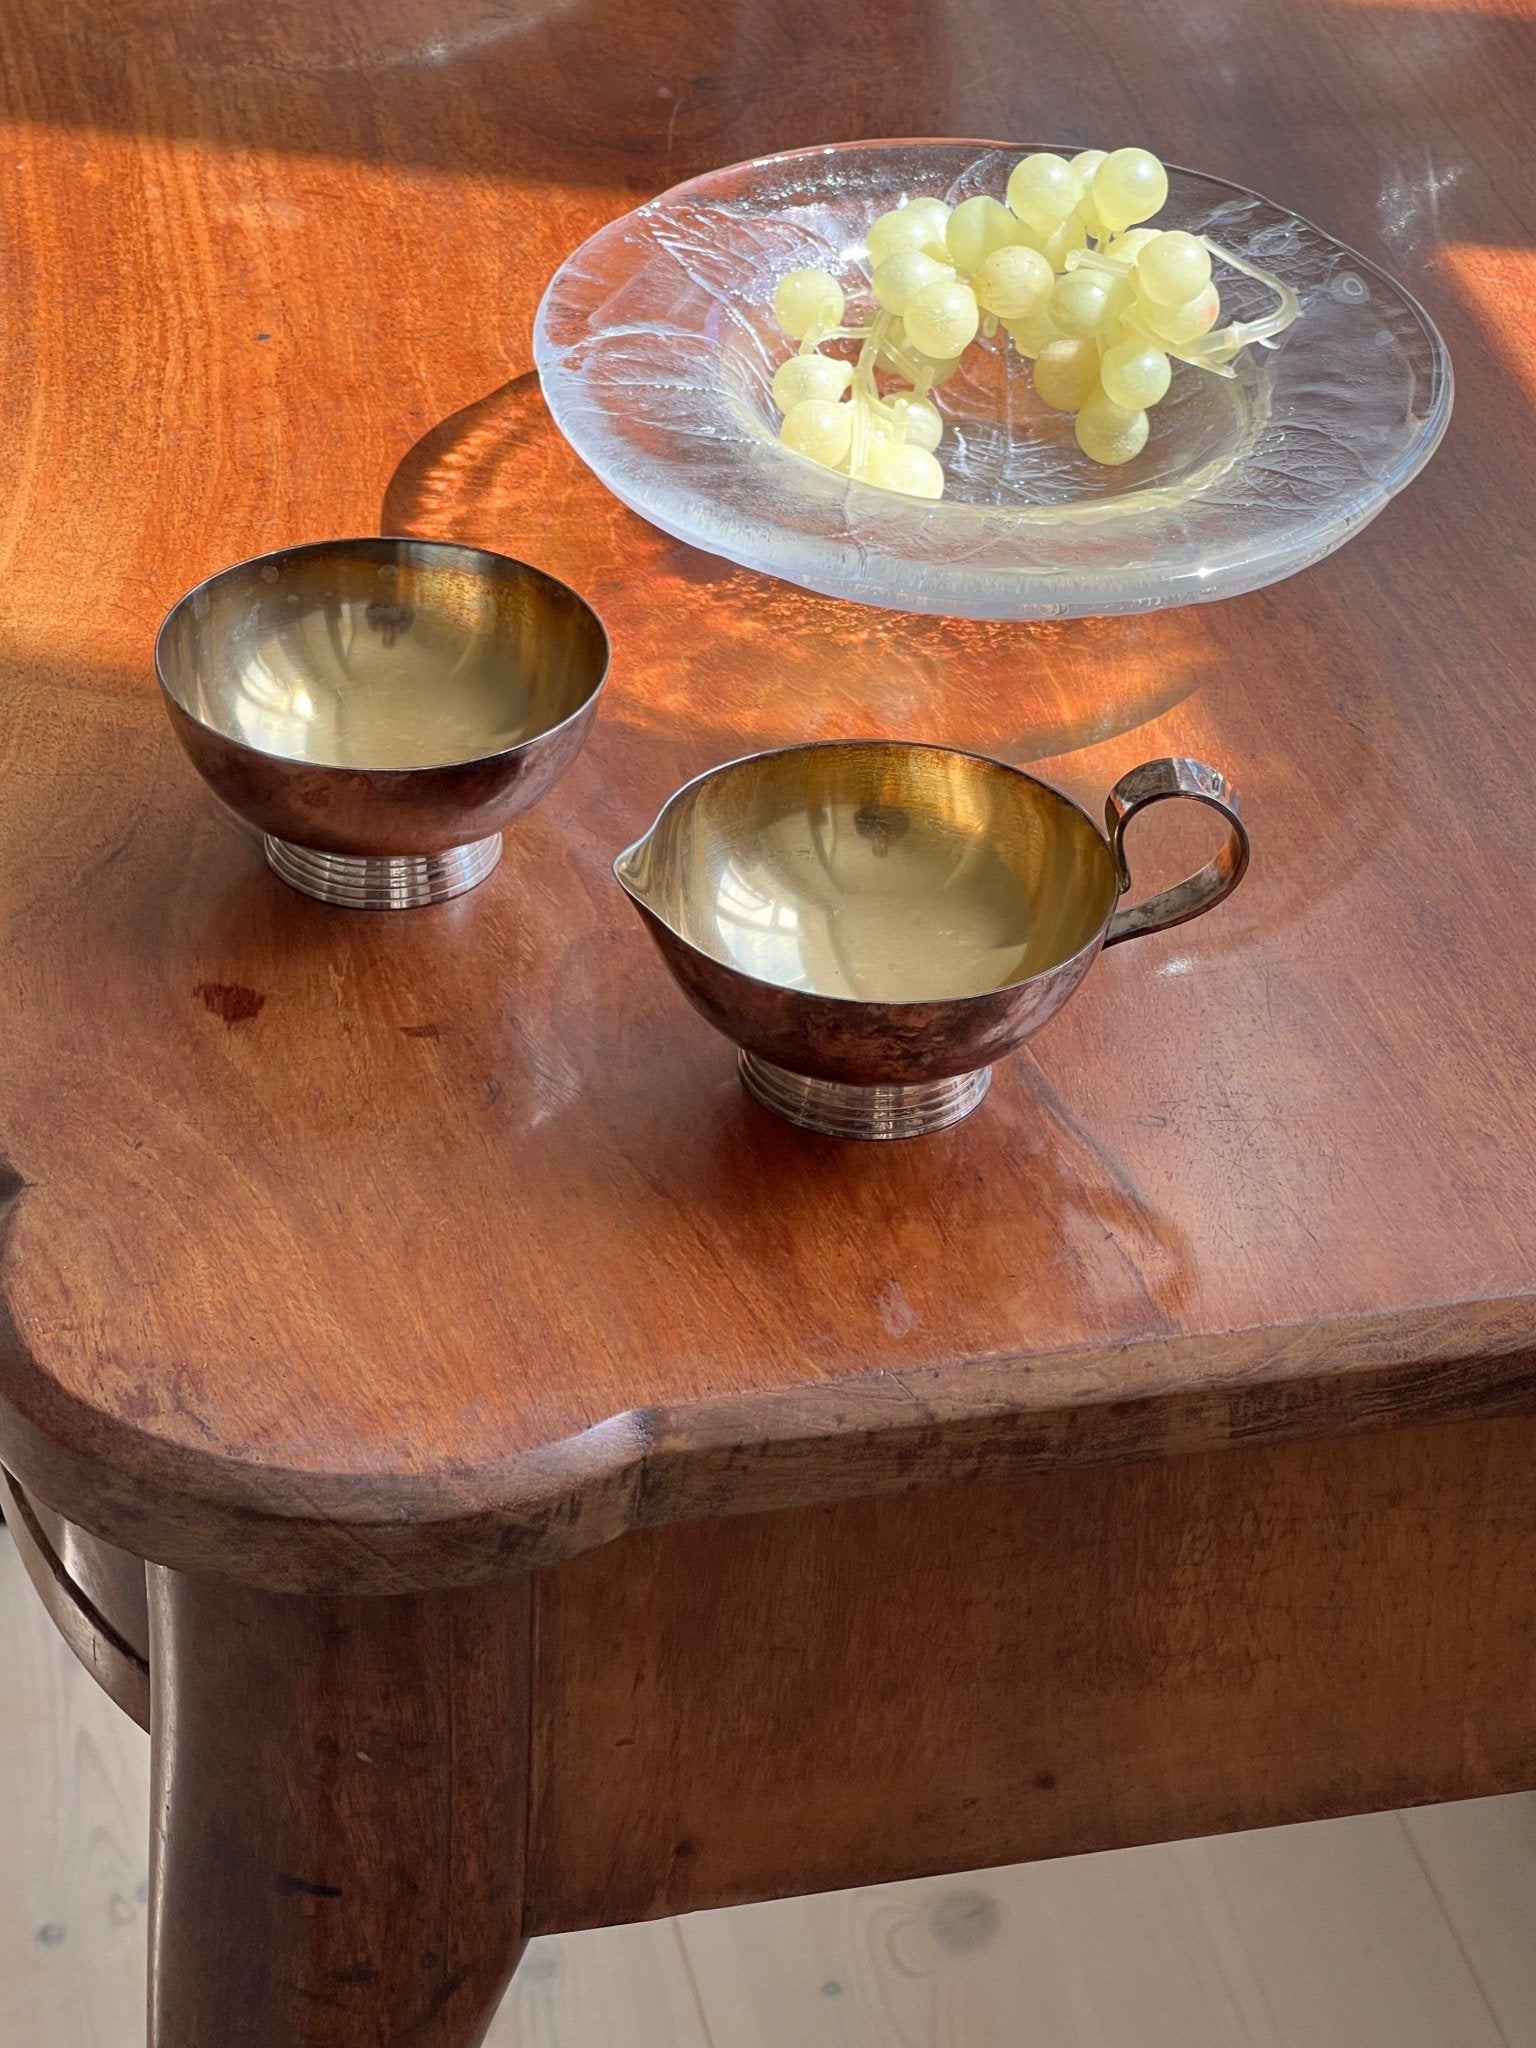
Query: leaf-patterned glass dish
[656, 345]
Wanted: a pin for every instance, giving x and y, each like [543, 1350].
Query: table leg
[339, 1818]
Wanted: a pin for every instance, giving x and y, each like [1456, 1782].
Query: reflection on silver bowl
[379, 710]
[873, 922]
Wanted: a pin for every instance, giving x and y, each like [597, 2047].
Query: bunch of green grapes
[835, 411]
[1101, 303]
[1127, 299]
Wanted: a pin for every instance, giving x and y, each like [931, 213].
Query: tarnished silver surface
[881, 918]
[1151, 783]
[381, 702]
[383, 881]
[842, 1109]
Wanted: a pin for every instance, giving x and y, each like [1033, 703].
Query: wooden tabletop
[350, 1250]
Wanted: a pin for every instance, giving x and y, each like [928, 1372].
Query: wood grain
[338, 1819]
[1312, 1937]
[305, 1290]
[799, 1701]
[1307, 1938]
[118, 1666]
[110, 1580]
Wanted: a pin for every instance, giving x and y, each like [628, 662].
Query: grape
[923, 422]
[1135, 374]
[1067, 374]
[1129, 186]
[1085, 163]
[976, 228]
[1034, 335]
[1122, 297]
[900, 466]
[935, 210]
[807, 300]
[918, 225]
[942, 319]
[938, 370]
[1043, 190]
[1070, 235]
[1013, 283]
[1172, 269]
[1100, 332]
[1079, 304]
[1181, 324]
[1128, 247]
[907, 272]
[819, 429]
[1109, 433]
[810, 377]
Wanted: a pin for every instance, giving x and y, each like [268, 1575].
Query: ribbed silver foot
[383, 881]
[840, 1109]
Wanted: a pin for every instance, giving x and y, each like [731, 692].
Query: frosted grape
[935, 210]
[901, 276]
[1110, 433]
[1070, 235]
[820, 429]
[1135, 374]
[808, 301]
[1086, 163]
[1067, 374]
[1095, 298]
[1034, 334]
[1079, 303]
[976, 228]
[1013, 283]
[1043, 190]
[942, 318]
[810, 376]
[1127, 247]
[1130, 185]
[888, 233]
[1122, 297]
[937, 371]
[918, 225]
[923, 422]
[1172, 269]
[902, 466]
[1180, 324]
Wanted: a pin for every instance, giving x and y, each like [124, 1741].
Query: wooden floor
[1410, 1930]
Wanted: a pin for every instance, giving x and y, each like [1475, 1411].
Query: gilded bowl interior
[382, 654]
[876, 871]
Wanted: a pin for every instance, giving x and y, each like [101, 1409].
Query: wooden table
[570, 1494]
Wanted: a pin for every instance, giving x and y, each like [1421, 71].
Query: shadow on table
[1323, 104]
[712, 661]
[741, 661]
[578, 93]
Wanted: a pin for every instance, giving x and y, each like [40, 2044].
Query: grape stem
[874, 341]
[1215, 352]
[1098, 259]
[1271, 326]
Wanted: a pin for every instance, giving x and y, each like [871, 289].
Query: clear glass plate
[656, 345]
